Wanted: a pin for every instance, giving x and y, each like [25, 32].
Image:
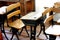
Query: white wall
[39, 4]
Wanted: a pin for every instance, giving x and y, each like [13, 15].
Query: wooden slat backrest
[57, 5]
[48, 19]
[13, 14]
[57, 10]
[46, 11]
[13, 6]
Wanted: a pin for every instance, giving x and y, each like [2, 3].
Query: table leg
[43, 26]
[33, 33]
[52, 37]
[4, 31]
[40, 31]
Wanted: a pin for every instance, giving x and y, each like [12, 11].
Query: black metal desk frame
[3, 17]
[32, 23]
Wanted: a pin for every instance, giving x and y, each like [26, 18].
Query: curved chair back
[12, 7]
[13, 14]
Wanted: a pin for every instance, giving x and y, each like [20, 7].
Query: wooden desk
[32, 16]
[2, 13]
[2, 19]
[32, 19]
[3, 10]
[53, 30]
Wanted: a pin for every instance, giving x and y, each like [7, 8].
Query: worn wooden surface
[16, 24]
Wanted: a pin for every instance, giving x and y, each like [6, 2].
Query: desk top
[3, 10]
[32, 16]
[58, 21]
[54, 30]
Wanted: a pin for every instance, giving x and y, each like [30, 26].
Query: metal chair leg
[44, 31]
[39, 32]
[17, 36]
[4, 32]
[26, 31]
[14, 32]
[46, 35]
[21, 31]
[12, 37]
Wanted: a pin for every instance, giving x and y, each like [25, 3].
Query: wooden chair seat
[16, 24]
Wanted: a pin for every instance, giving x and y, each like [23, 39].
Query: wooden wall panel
[26, 5]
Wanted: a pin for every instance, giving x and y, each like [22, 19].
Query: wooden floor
[23, 35]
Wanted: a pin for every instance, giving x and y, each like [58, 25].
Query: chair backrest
[47, 11]
[53, 10]
[57, 5]
[48, 19]
[56, 14]
[13, 7]
[53, 17]
[57, 10]
[13, 14]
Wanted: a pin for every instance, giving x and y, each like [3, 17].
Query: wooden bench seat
[16, 24]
